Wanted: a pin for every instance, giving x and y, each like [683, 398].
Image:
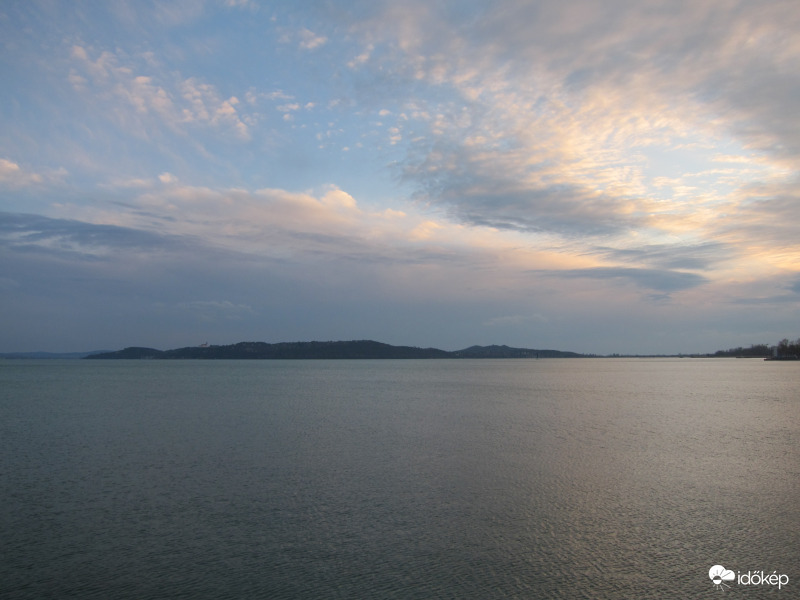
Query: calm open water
[581, 478]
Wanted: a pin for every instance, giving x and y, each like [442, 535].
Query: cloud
[214, 310]
[547, 154]
[206, 106]
[362, 58]
[178, 13]
[666, 281]
[764, 215]
[88, 241]
[516, 320]
[167, 178]
[143, 103]
[268, 223]
[308, 236]
[8, 284]
[703, 256]
[310, 40]
[241, 4]
[795, 286]
[231, 256]
[13, 175]
[566, 117]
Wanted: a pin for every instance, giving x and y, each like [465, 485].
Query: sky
[599, 177]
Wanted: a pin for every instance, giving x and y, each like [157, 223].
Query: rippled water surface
[581, 478]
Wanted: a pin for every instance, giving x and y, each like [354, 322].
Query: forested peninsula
[362, 349]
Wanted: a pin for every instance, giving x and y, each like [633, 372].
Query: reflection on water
[396, 479]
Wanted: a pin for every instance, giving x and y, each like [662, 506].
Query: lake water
[578, 478]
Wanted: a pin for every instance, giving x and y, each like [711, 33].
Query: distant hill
[362, 349]
[507, 352]
[48, 355]
[131, 353]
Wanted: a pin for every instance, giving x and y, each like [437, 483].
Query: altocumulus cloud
[559, 111]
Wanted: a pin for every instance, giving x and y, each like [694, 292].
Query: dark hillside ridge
[49, 355]
[362, 349]
[131, 353]
[507, 352]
